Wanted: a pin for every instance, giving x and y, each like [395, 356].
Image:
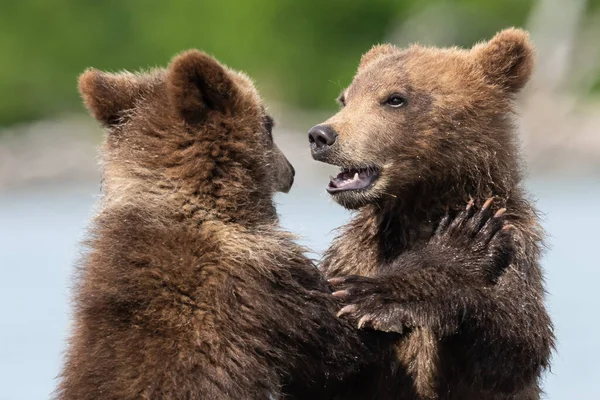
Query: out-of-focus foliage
[299, 52]
[593, 12]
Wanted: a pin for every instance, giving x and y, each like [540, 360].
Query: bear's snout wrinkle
[321, 138]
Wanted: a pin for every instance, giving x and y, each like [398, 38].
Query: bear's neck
[379, 233]
[245, 208]
[166, 201]
[406, 221]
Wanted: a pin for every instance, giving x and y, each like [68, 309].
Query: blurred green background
[299, 52]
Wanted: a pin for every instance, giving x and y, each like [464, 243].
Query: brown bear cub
[422, 132]
[189, 288]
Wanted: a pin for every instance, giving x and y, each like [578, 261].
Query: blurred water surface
[40, 228]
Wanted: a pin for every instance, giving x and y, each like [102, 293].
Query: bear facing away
[422, 132]
[189, 289]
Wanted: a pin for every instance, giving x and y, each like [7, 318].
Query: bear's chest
[417, 355]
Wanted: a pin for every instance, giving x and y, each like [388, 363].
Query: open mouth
[353, 179]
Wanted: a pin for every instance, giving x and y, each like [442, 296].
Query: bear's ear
[507, 60]
[197, 83]
[107, 96]
[376, 52]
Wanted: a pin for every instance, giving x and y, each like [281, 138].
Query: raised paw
[470, 221]
[482, 236]
[371, 302]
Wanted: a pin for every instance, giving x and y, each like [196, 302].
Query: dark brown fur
[189, 288]
[469, 314]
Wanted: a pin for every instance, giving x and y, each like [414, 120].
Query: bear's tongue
[351, 179]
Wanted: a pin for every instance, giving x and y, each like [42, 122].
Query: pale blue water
[40, 228]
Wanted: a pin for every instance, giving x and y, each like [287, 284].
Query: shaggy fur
[468, 314]
[189, 288]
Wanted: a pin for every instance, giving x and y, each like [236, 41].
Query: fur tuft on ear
[376, 52]
[106, 95]
[197, 83]
[507, 60]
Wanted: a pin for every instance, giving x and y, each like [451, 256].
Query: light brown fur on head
[448, 93]
[376, 52]
[175, 137]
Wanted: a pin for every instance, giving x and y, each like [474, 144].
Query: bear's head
[194, 136]
[423, 119]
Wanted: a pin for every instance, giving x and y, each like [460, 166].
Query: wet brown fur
[189, 289]
[461, 335]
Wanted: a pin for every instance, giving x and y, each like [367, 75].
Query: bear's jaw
[353, 179]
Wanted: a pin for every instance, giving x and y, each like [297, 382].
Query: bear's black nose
[321, 137]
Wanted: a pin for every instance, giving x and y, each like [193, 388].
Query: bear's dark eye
[342, 100]
[268, 125]
[396, 101]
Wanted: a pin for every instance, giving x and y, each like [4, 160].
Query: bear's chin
[355, 199]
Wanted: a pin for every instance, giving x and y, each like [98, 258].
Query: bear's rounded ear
[107, 96]
[507, 60]
[197, 83]
[376, 52]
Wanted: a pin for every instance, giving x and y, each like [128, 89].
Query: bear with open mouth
[444, 251]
